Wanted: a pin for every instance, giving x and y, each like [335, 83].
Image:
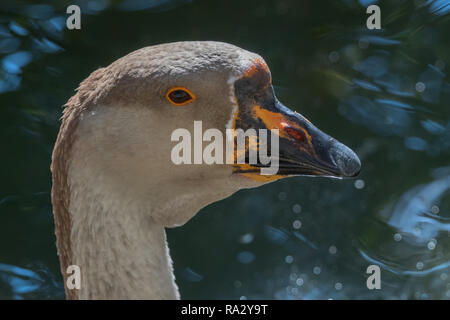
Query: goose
[115, 188]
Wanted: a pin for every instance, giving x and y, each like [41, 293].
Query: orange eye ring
[180, 96]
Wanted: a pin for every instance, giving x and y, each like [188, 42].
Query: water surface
[384, 93]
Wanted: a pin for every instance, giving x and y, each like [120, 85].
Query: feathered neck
[109, 233]
[121, 251]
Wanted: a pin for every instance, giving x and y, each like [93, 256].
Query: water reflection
[413, 216]
[21, 283]
[21, 42]
[440, 7]
[159, 5]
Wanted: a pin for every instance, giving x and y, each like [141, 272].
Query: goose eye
[180, 96]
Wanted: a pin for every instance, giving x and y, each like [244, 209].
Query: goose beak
[306, 150]
[303, 148]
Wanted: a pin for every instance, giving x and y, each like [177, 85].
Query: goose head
[116, 143]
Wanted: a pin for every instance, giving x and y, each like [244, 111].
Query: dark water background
[384, 93]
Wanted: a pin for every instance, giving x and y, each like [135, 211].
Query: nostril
[294, 133]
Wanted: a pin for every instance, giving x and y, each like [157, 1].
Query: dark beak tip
[346, 161]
